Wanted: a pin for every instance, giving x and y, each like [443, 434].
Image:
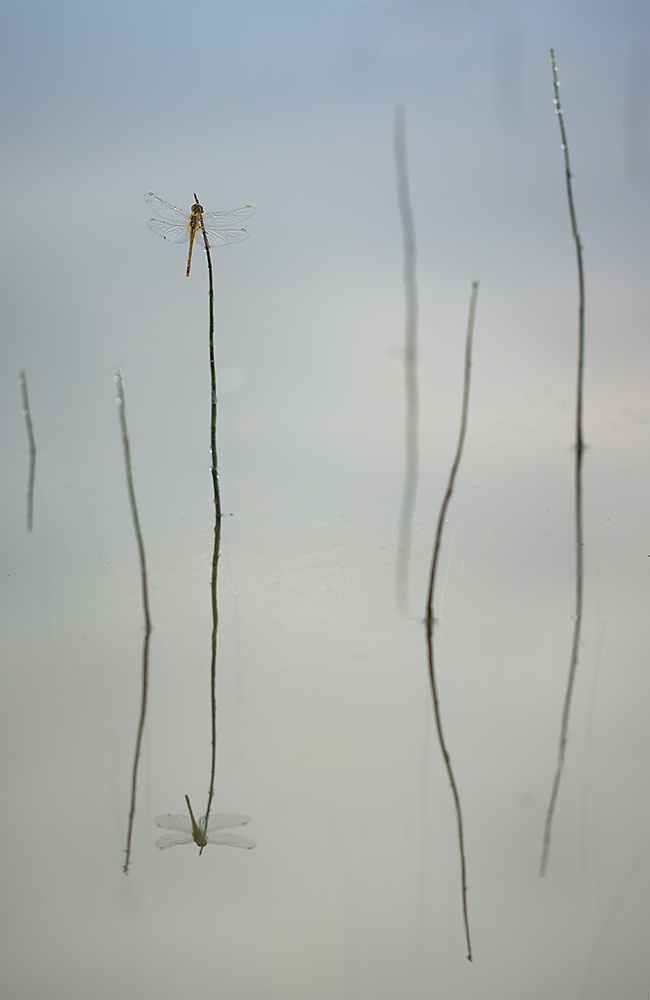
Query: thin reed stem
[217, 529]
[429, 609]
[32, 451]
[145, 607]
[409, 492]
[579, 449]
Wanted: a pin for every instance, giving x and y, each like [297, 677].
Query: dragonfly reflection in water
[177, 226]
[192, 832]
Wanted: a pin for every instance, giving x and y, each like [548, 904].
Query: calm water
[325, 729]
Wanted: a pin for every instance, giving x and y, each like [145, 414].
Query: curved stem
[579, 449]
[429, 609]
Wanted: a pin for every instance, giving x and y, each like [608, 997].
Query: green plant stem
[145, 608]
[217, 529]
[579, 449]
[429, 608]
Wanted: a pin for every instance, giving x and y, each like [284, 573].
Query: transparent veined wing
[171, 822]
[230, 840]
[220, 220]
[166, 211]
[170, 231]
[216, 237]
[172, 839]
[223, 821]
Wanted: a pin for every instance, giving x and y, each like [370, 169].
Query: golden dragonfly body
[190, 831]
[177, 226]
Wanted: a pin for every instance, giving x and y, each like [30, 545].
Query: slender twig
[429, 610]
[579, 449]
[407, 510]
[217, 529]
[145, 606]
[32, 451]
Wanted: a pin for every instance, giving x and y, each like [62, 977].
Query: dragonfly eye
[197, 208]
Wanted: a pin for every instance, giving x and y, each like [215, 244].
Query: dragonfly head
[196, 207]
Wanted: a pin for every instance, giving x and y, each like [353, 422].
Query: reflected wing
[171, 822]
[223, 821]
[167, 211]
[168, 231]
[172, 839]
[229, 840]
[219, 220]
[218, 237]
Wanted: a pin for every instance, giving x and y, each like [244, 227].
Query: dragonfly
[189, 831]
[177, 226]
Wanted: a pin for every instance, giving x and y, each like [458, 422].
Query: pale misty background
[326, 736]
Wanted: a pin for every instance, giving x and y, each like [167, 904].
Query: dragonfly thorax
[200, 838]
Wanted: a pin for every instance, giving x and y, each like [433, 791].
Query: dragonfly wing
[171, 822]
[171, 839]
[230, 840]
[219, 237]
[168, 231]
[166, 211]
[224, 821]
[232, 218]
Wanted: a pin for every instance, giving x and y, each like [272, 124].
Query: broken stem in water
[409, 492]
[145, 608]
[32, 451]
